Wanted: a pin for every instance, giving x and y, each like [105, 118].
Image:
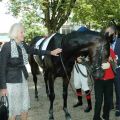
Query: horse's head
[90, 43]
[101, 56]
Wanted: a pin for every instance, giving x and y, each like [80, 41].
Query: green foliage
[51, 13]
[15, 7]
[54, 13]
[98, 13]
[32, 26]
[29, 18]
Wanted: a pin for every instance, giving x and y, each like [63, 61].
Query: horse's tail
[34, 66]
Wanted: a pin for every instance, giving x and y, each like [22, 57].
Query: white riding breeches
[81, 81]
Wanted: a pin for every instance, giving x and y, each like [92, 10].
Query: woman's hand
[105, 65]
[56, 52]
[4, 92]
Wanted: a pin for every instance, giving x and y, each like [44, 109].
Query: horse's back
[81, 34]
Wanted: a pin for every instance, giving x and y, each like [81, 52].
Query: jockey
[81, 83]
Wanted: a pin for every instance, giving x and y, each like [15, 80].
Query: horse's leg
[51, 96]
[46, 83]
[35, 72]
[65, 95]
[35, 83]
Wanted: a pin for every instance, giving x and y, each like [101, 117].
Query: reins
[68, 79]
[89, 75]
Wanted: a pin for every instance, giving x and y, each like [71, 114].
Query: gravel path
[39, 109]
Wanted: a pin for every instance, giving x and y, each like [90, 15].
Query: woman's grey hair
[13, 33]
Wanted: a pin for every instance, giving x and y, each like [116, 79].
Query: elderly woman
[13, 74]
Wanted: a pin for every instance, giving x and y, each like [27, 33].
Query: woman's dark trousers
[103, 89]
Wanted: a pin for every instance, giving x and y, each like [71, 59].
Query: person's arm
[56, 52]
[32, 50]
[3, 65]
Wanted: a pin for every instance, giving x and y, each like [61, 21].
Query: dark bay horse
[73, 45]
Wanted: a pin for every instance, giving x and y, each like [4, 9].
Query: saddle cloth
[43, 42]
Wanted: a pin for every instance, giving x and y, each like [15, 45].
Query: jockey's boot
[88, 97]
[79, 95]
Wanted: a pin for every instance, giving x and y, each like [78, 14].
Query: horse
[73, 45]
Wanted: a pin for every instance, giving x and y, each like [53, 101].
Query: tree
[29, 18]
[82, 13]
[33, 26]
[51, 13]
[99, 13]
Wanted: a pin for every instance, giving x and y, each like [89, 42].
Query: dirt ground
[39, 109]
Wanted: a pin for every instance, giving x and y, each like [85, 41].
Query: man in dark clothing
[116, 47]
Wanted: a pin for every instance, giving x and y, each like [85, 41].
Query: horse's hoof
[68, 116]
[51, 117]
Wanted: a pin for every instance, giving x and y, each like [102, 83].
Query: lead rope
[68, 79]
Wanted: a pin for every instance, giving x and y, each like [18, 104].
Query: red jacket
[109, 74]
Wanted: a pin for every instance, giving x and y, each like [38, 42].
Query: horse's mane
[77, 33]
